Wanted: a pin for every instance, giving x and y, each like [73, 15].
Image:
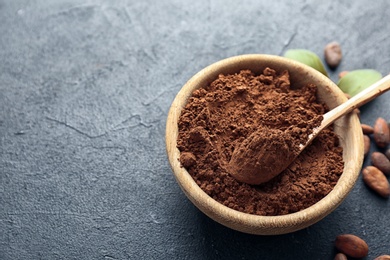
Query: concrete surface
[85, 87]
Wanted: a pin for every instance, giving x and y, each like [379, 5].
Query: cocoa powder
[219, 117]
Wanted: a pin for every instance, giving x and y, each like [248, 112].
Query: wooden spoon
[271, 147]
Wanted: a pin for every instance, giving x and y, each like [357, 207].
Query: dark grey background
[85, 87]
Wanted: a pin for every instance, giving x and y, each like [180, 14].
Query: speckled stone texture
[85, 87]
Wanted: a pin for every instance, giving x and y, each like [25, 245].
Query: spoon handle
[356, 101]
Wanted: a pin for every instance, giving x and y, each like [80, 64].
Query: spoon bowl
[347, 128]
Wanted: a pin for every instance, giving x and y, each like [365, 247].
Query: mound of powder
[220, 120]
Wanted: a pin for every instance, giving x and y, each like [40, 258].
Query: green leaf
[355, 81]
[306, 57]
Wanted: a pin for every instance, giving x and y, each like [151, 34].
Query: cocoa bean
[381, 133]
[367, 129]
[351, 245]
[376, 180]
[388, 154]
[367, 144]
[380, 161]
[333, 54]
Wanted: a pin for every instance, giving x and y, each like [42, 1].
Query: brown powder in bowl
[220, 117]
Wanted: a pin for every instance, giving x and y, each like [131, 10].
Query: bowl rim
[255, 224]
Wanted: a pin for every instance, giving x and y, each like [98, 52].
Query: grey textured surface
[85, 87]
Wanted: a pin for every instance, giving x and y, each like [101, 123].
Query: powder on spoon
[219, 122]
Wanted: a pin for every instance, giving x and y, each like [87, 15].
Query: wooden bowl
[347, 128]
